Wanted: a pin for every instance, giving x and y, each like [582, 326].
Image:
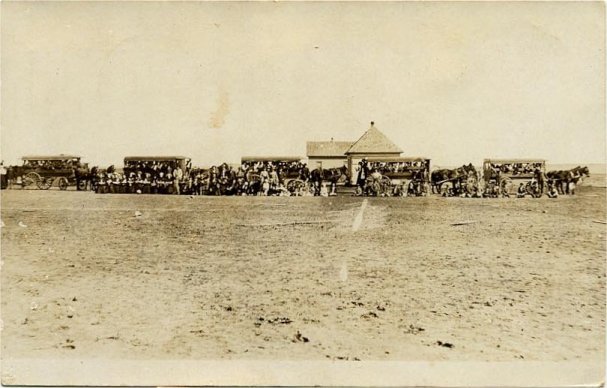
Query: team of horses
[566, 181]
[460, 180]
[466, 181]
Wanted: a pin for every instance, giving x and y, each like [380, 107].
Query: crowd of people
[294, 178]
[395, 167]
[292, 167]
[370, 178]
[517, 168]
[498, 181]
[58, 164]
[250, 178]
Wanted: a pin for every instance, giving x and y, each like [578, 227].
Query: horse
[83, 176]
[14, 174]
[438, 177]
[578, 173]
[332, 175]
[335, 176]
[316, 178]
[565, 180]
[92, 178]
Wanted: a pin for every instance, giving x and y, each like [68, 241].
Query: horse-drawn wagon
[500, 177]
[397, 176]
[158, 172]
[289, 171]
[44, 172]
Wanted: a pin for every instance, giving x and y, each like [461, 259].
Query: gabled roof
[373, 141]
[327, 148]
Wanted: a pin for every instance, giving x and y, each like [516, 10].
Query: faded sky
[456, 82]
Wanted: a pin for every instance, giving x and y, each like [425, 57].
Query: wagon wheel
[294, 186]
[45, 183]
[30, 179]
[82, 184]
[48, 183]
[63, 183]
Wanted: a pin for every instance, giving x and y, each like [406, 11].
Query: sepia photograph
[303, 193]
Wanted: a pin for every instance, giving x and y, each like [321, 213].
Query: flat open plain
[301, 278]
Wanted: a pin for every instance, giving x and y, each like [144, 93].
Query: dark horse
[331, 175]
[438, 177]
[13, 174]
[83, 176]
[565, 180]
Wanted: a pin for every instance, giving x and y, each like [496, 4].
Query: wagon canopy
[500, 169]
[513, 161]
[133, 163]
[50, 157]
[398, 159]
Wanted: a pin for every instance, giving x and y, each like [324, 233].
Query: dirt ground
[303, 278]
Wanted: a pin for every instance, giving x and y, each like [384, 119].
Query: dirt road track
[242, 278]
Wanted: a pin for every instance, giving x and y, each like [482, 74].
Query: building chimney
[372, 123]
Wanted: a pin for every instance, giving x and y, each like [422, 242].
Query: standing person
[101, 186]
[540, 177]
[154, 185]
[264, 182]
[316, 177]
[168, 183]
[304, 173]
[178, 176]
[160, 182]
[110, 183]
[376, 182]
[363, 172]
[3, 176]
[146, 184]
[274, 179]
[212, 182]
